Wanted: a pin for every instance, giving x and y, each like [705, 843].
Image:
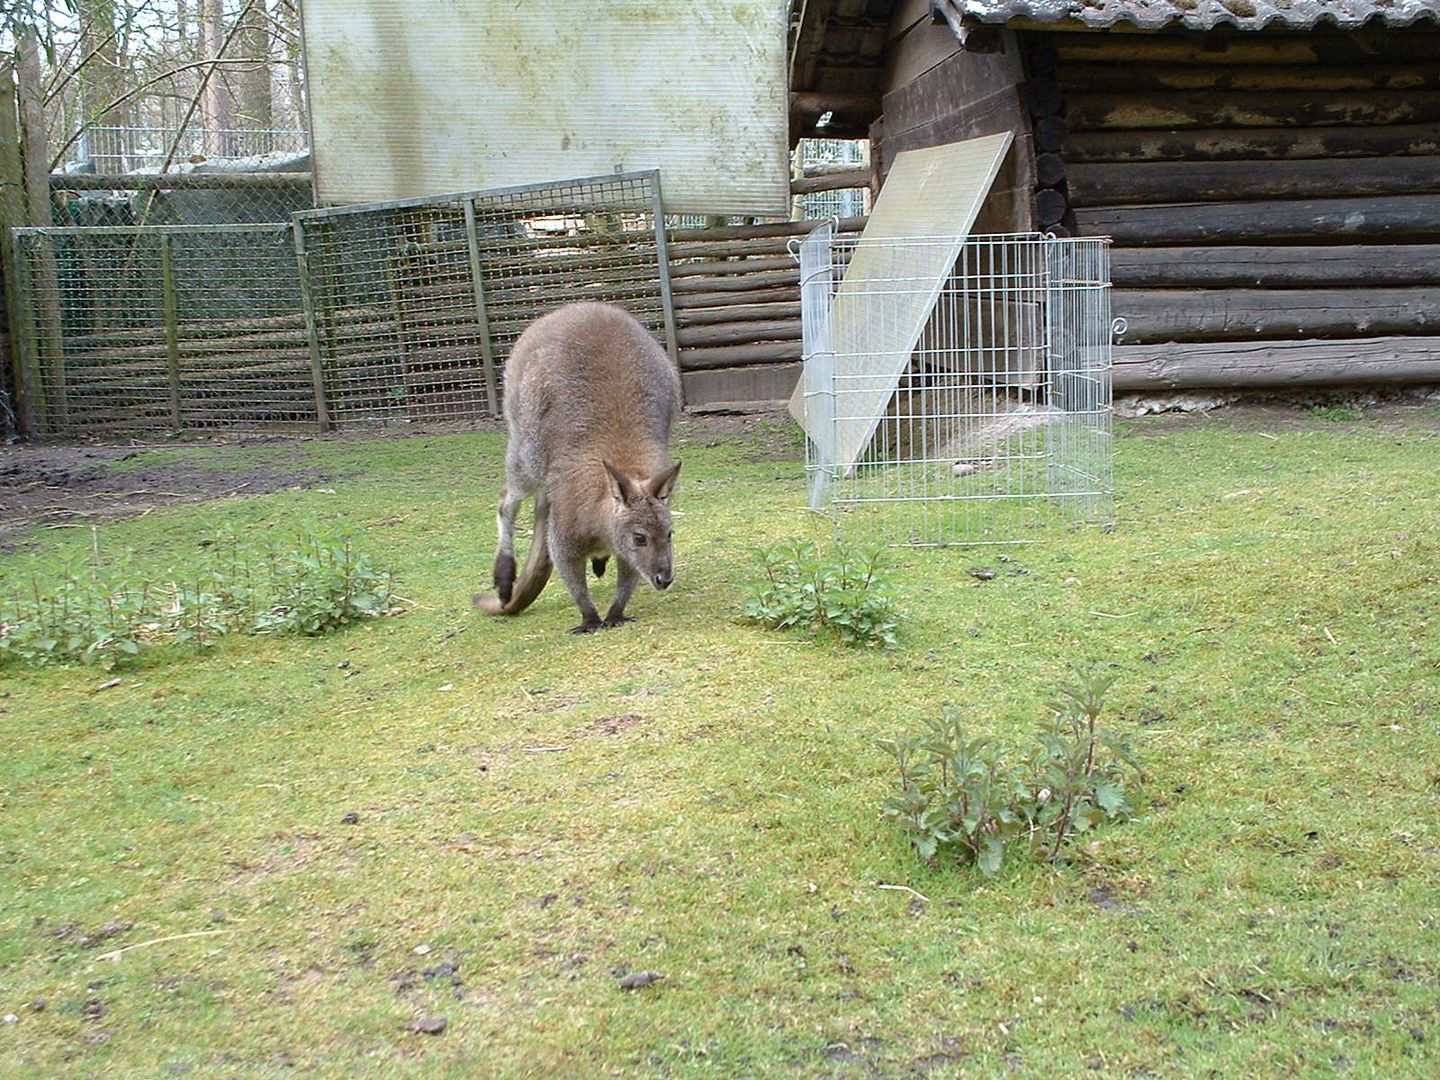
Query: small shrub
[102, 611]
[959, 798]
[846, 594]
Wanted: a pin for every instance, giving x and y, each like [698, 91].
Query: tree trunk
[256, 107]
[218, 103]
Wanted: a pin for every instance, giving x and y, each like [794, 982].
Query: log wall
[736, 292]
[1274, 200]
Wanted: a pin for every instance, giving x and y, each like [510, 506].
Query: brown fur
[589, 399]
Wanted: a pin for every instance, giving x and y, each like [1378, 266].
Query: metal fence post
[172, 325]
[482, 316]
[307, 301]
[666, 302]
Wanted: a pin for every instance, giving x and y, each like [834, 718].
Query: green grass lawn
[537, 815]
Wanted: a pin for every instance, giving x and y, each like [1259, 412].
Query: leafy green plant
[960, 798]
[325, 585]
[103, 611]
[846, 594]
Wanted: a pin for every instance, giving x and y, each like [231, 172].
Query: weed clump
[102, 610]
[959, 798]
[845, 594]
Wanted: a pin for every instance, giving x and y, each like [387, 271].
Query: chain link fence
[163, 328]
[398, 312]
[416, 303]
[193, 197]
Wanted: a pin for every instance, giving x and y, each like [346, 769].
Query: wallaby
[589, 397]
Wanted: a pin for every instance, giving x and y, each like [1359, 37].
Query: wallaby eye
[640, 540]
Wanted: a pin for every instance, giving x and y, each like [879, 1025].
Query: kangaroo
[589, 397]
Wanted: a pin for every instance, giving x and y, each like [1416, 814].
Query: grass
[537, 815]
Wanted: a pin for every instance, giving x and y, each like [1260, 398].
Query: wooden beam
[1111, 77]
[1194, 181]
[739, 313]
[753, 232]
[1232, 144]
[1393, 217]
[739, 333]
[1239, 365]
[1277, 266]
[850, 178]
[738, 355]
[1197, 109]
[1158, 315]
[1254, 49]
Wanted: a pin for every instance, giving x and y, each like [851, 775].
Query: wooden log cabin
[1270, 172]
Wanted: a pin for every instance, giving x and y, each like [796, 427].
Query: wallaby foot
[504, 577]
[612, 621]
[588, 627]
[598, 565]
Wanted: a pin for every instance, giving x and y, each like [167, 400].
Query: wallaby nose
[663, 579]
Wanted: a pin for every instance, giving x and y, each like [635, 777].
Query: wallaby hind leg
[626, 580]
[572, 572]
[511, 497]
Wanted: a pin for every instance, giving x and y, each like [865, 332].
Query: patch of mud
[45, 486]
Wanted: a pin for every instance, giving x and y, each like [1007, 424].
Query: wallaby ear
[660, 487]
[622, 488]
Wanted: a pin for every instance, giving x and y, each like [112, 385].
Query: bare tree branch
[129, 95]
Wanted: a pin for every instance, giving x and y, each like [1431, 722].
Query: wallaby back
[586, 387]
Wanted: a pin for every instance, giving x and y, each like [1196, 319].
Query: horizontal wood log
[711, 267]
[815, 103]
[1230, 314]
[1239, 365]
[739, 355]
[742, 313]
[1241, 144]
[1276, 266]
[735, 282]
[178, 181]
[1193, 181]
[1394, 217]
[1197, 109]
[738, 333]
[852, 178]
[1209, 49]
[1105, 77]
[757, 232]
[685, 301]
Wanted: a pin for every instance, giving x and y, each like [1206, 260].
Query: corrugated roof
[1201, 14]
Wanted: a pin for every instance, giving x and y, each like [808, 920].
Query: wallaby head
[641, 529]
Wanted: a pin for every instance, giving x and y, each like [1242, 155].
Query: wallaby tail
[533, 578]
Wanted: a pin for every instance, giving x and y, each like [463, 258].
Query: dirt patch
[53, 486]
[611, 725]
[1320, 411]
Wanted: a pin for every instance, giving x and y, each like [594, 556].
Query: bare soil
[67, 485]
[52, 485]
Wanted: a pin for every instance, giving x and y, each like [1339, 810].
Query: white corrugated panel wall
[419, 97]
